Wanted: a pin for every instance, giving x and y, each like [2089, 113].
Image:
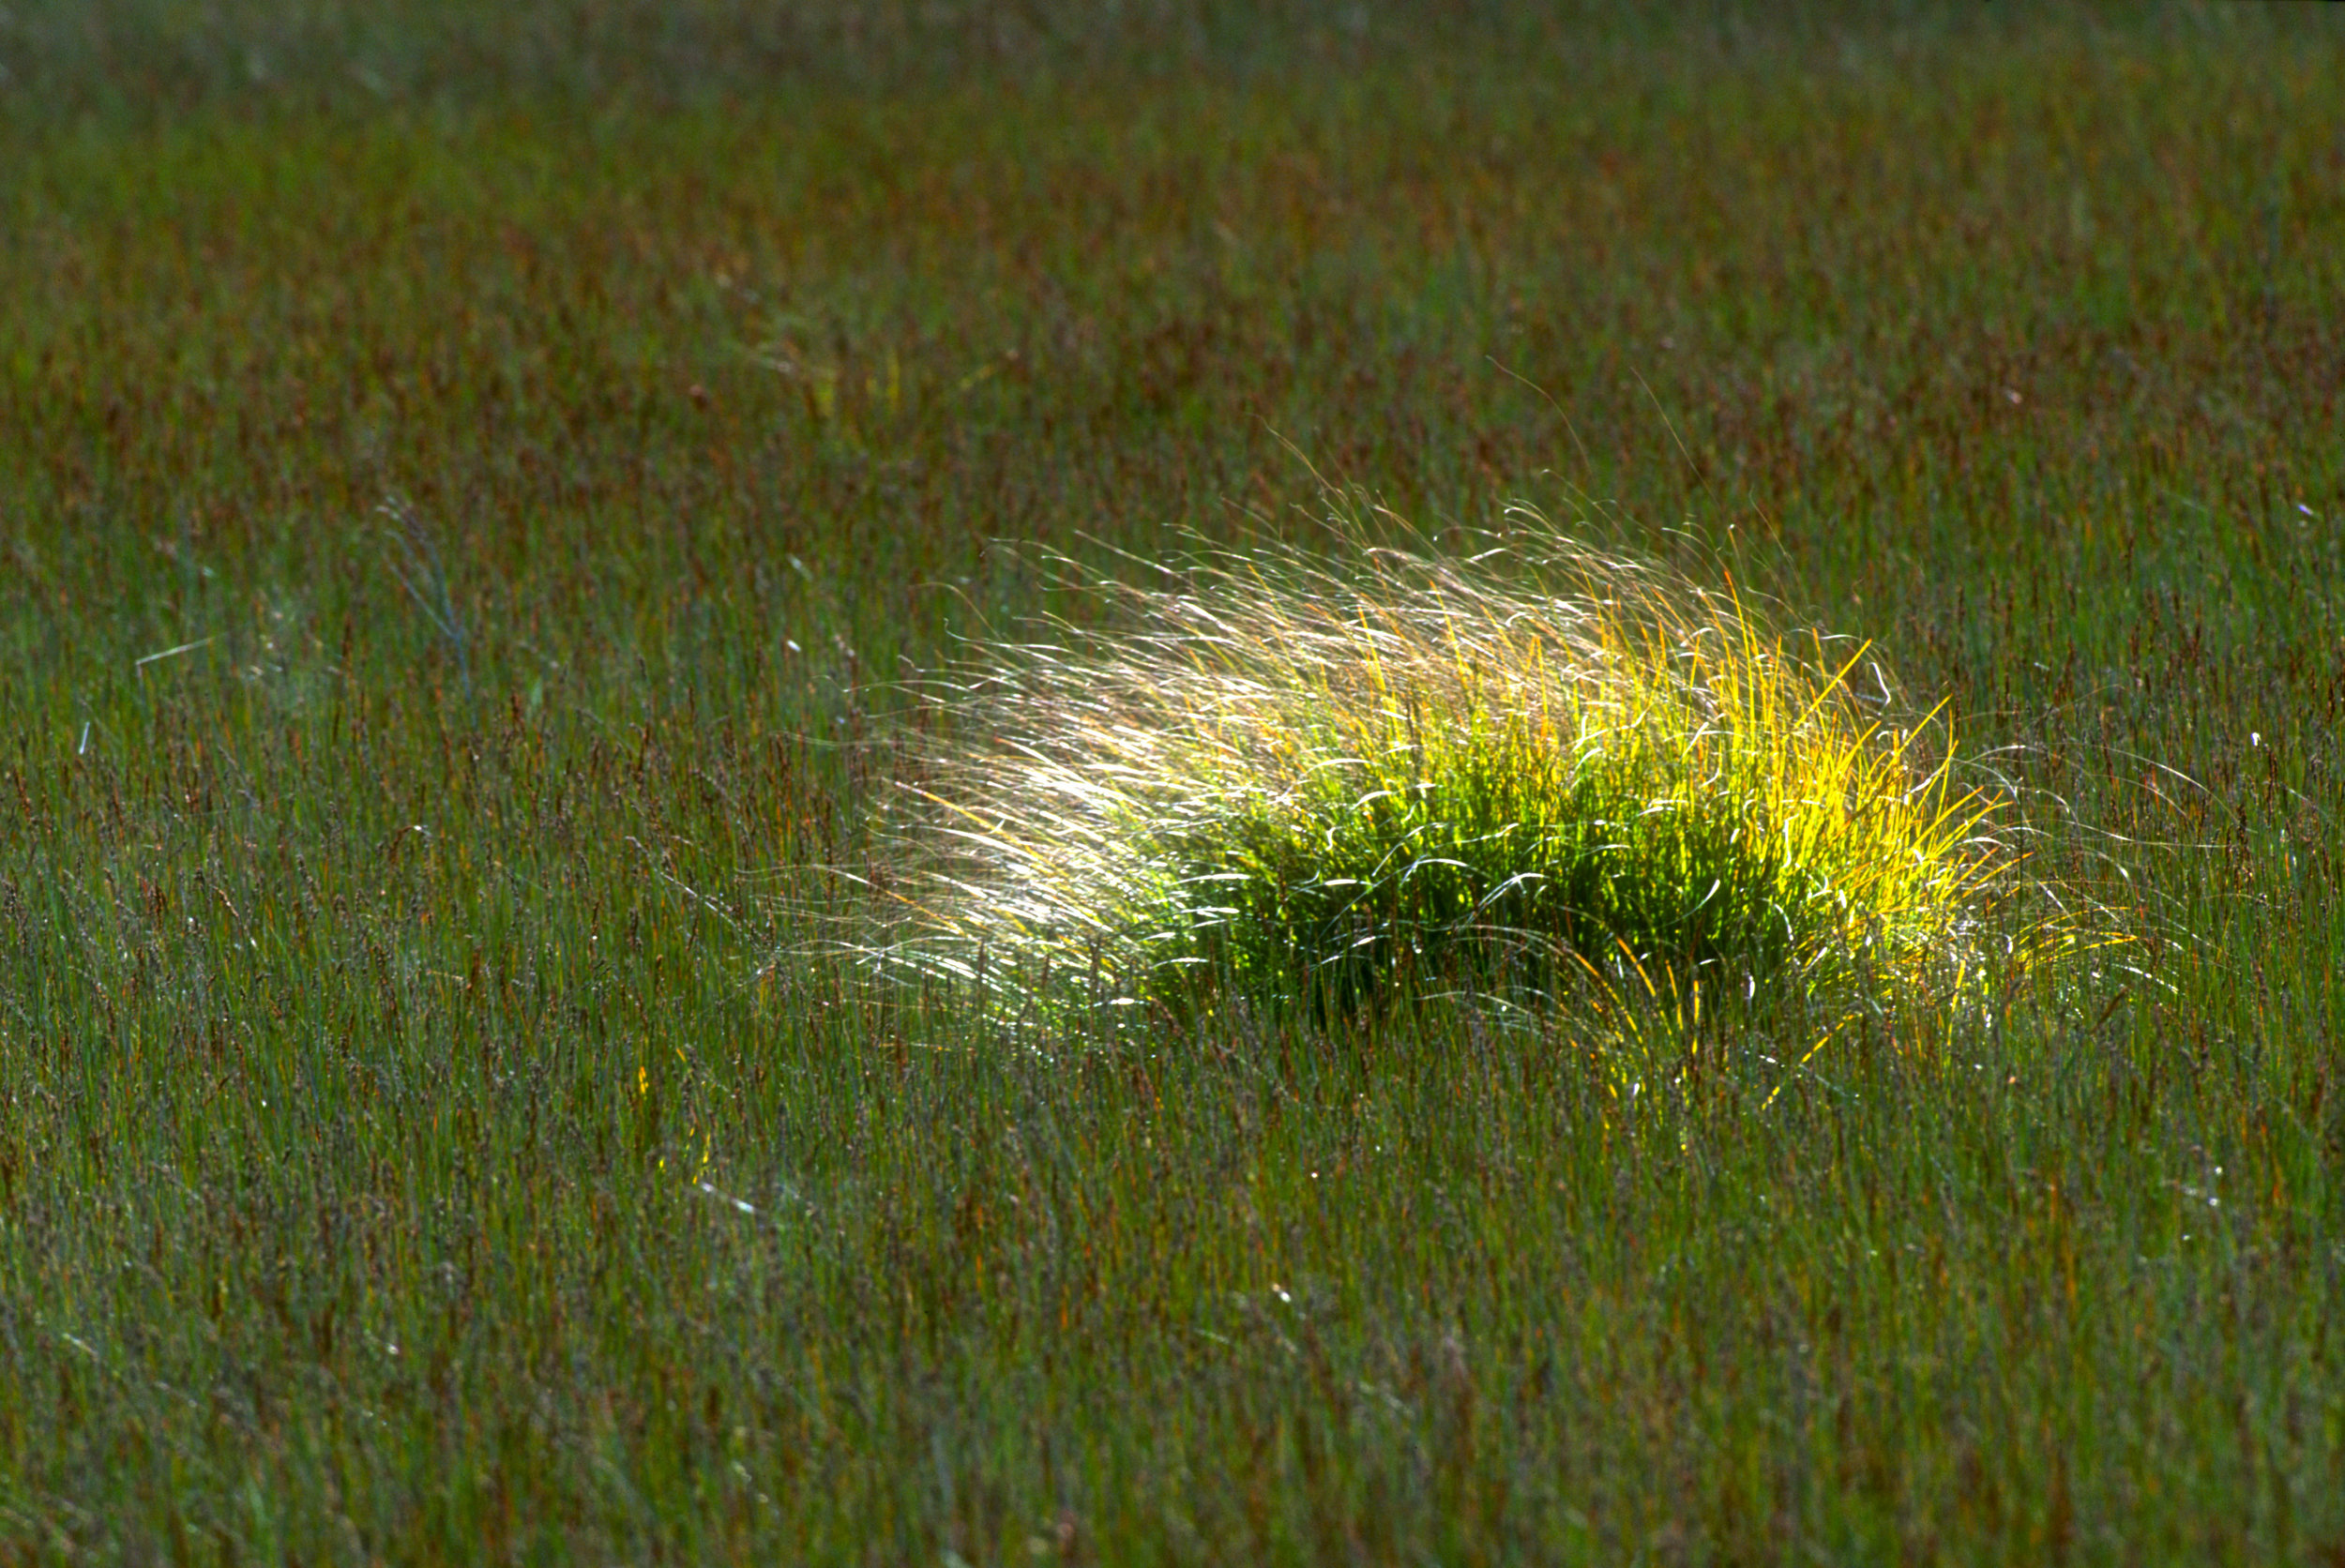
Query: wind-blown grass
[1305, 783]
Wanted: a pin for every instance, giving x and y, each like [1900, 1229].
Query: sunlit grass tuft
[1309, 782]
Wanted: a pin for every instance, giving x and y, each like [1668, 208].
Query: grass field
[473, 497]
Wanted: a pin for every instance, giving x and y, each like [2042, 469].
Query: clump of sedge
[1301, 784]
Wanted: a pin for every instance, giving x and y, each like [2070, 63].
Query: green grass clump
[1300, 782]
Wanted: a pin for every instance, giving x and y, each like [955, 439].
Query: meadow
[479, 496]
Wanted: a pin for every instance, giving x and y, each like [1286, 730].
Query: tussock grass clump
[1304, 783]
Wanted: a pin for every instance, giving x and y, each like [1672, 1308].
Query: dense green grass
[1305, 784]
[425, 1136]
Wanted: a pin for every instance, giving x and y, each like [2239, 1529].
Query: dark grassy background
[418, 1139]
